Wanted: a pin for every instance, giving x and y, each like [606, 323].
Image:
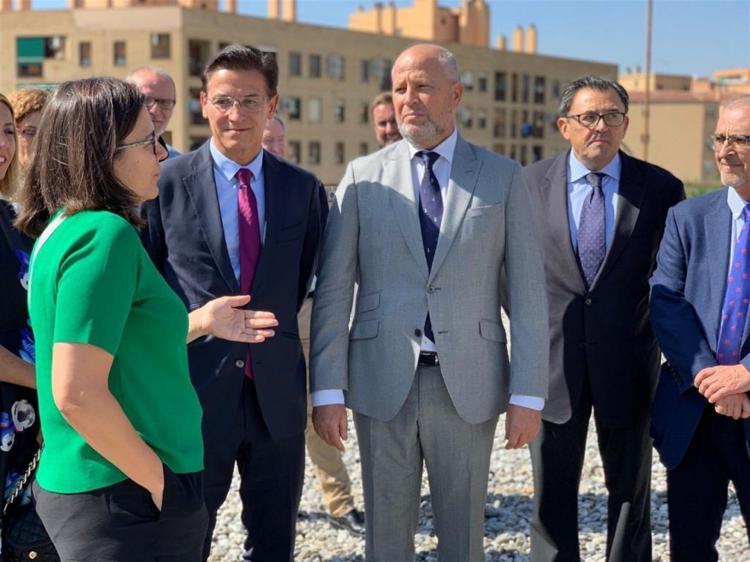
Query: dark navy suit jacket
[687, 295]
[185, 239]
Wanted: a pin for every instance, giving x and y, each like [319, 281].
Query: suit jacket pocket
[364, 330]
[368, 302]
[484, 210]
[288, 233]
[491, 330]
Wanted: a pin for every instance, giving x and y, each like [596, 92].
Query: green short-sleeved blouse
[93, 283]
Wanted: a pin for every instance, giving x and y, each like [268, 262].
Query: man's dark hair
[239, 57]
[82, 124]
[593, 83]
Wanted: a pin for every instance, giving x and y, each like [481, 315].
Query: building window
[160, 46]
[514, 124]
[295, 151]
[194, 107]
[555, 89]
[481, 120]
[499, 148]
[313, 63]
[539, 88]
[313, 152]
[466, 118]
[197, 142]
[512, 154]
[524, 159]
[363, 149]
[498, 127]
[514, 87]
[501, 86]
[364, 113]
[198, 54]
[120, 53]
[482, 83]
[381, 70]
[335, 65]
[295, 64]
[84, 53]
[538, 125]
[527, 129]
[525, 88]
[292, 107]
[314, 110]
[31, 52]
[537, 153]
[364, 71]
[467, 78]
[339, 153]
[340, 111]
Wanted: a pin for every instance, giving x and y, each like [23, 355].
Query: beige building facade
[327, 75]
[679, 129]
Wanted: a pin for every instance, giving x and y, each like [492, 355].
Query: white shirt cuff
[531, 402]
[327, 397]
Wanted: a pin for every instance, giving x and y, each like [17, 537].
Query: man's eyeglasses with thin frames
[737, 141]
[591, 119]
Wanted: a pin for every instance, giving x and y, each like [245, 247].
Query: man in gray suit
[424, 227]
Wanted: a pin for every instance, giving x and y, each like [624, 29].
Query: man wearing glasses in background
[699, 306]
[160, 92]
[232, 219]
[599, 215]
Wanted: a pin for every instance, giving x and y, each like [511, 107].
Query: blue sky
[693, 37]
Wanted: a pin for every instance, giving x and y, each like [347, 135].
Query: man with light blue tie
[700, 298]
[600, 216]
[424, 227]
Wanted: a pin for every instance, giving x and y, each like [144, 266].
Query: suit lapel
[397, 173]
[201, 189]
[463, 181]
[631, 192]
[276, 191]
[718, 222]
[555, 192]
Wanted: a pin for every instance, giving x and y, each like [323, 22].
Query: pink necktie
[249, 231]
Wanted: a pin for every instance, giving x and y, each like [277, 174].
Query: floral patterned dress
[19, 424]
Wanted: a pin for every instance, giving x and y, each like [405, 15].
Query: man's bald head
[426, 93]
[160, 92]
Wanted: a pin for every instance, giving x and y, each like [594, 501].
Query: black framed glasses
[717, 141]
[163, 103]
[151, 140]
[591, 119]
[251, 104]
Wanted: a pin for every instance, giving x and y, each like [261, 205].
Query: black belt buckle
[429, 358]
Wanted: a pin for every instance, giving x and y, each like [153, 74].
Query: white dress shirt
[442, 170]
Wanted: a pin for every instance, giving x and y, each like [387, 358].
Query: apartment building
[327, 75]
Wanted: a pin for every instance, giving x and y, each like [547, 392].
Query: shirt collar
[577, 170]
[735, 202]
[445, 149]
[228, 168]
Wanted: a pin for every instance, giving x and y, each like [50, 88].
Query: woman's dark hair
[81, 126]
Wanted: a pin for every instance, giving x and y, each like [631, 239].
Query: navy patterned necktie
[736, 299]
[592, 244]
[430, 216]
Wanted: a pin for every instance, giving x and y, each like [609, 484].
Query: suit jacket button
[418, 333]
[587, 302]
[240, 364]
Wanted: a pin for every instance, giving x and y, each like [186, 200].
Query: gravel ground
[507, 516]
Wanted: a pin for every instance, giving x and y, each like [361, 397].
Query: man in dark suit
[699, 303]
[600, 216]
[233, 219]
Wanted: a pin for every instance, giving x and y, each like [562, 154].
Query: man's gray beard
[416, 135]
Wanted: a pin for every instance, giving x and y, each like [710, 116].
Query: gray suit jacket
[373, 239]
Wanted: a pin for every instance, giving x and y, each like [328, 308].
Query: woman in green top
[119, 477]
